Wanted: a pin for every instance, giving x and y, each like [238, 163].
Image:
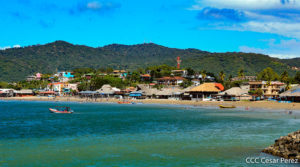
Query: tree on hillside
[222, 76]
[297, 77]
[241, 73]
[190, 72]
[267, 75]
[284, 77]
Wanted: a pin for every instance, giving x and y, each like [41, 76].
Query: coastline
[265, 105]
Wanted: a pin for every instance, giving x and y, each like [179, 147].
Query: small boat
[221, 106]
[61, 110]
[124, 102]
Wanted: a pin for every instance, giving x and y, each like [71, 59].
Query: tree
[203, 74]
[222, 76]
[268, 75]
[190, 72]
[186, 83]
[284, 77]
[259, 92]
[241, 73]
[297, 77]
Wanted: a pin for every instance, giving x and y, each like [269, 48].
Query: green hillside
[17, 63]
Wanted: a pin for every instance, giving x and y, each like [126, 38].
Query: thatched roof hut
[106, 89]
[295, 92]
[235, 91]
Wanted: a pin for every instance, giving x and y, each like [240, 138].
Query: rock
[287, 147]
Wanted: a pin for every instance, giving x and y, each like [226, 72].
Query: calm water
[135, 135]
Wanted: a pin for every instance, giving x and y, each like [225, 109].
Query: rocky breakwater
[287, 147]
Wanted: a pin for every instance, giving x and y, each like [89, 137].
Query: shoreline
[265, 105]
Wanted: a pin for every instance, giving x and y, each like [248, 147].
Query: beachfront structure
[169, 93]
[137, 94]
[46, 93]
[24, 93]
[291, 95]
[205, 90]
[170, 80]
[235, 94]
[270, 89]
[107, 91]
[6, 92]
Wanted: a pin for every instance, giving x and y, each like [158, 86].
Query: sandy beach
[267, 105]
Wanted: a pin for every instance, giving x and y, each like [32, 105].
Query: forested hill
[17, 63]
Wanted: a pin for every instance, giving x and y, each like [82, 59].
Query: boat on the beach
[124, 102]
[221, 106]
[61, 110]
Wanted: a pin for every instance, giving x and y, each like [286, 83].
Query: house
[35, 77]
[235, 93]
[64, 76]
[291, 95]
[146, 77]
[196, 82]
[89, 76]
[56, 87]
[170, 80]
[270, 89]
[120, 73]
[180, 73]
[24, 93]
[244, 78]
[205, 90]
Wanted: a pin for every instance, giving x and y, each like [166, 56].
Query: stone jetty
[287, 147]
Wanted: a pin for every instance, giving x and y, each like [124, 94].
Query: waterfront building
[270, 89]
[205, 90]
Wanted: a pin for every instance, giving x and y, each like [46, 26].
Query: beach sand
[266, 105]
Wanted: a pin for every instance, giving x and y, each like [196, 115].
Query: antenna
[178, 62]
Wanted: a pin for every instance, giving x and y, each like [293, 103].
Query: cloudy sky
[262, 26]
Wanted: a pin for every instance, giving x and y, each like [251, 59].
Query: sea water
[136, 135]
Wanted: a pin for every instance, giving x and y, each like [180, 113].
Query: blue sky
[261, 26]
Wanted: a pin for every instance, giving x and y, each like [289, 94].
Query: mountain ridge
[17, 63]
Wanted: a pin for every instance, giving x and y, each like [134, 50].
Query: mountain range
[17, 63]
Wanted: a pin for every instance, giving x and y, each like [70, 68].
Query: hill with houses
[18, 63]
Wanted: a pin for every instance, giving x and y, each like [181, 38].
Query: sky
[270, 27]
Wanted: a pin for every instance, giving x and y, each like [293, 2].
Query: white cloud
[9, 47]
[5, 47]
[94, 5]
[249, 4]
[281, 49]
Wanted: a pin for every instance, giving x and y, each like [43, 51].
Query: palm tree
[241, 73]
[222, 76]
[203, 73]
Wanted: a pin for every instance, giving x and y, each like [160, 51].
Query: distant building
[120, 73]
[170, 80]
[244, 78]
[196, 82]
[180, 73]
[64, 76]
[35, 77]
[146, 77]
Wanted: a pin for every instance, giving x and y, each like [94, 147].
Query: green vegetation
[17, 63]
